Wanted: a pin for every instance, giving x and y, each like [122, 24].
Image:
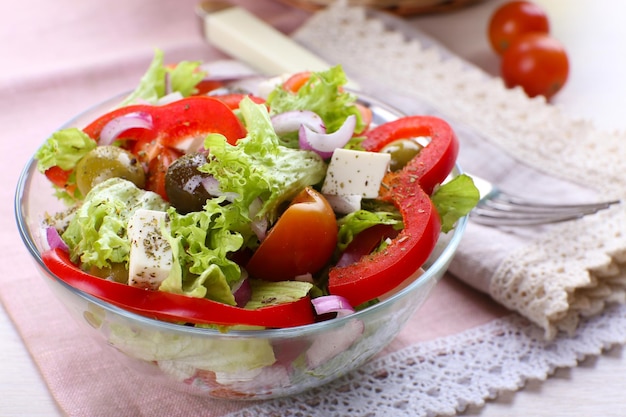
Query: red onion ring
[242, 290]
[114, 128]
[332, 304]
[291, 121]
[54, 239]
[326, 143]
[212, 186]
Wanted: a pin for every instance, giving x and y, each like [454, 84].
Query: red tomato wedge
[173, 307]
[302, 240]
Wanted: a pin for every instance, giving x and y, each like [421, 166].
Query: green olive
[104, 162]
[183, 183]
[116, 272]
[401, 151]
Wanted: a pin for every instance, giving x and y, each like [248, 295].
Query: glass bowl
[253, 364]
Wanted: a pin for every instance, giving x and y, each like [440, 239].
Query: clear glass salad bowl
[252, 364]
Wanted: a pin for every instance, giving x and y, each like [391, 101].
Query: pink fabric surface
[59, 58]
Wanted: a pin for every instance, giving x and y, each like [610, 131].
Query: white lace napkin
[552, 275]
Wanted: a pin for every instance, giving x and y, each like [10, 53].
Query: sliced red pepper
[173, 307]
[188, 119]
[408, 189]
[365, 242]
[58, 176]
[94, 128]
[380, 272]
[434, 161]
[195, 116]
[158, 158]
[177, 121]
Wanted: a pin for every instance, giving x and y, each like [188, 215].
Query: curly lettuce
[201, 243]
[323, 94]
[181, 78]
[258, 168]
[97, 235]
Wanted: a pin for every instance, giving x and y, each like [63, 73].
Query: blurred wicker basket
[400, 7]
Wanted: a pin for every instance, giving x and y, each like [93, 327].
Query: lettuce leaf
[97, 234]
[266, 293]
[203, 353]
[454, 200]
[353, 223]
[64, 149]
[323, 94]
[201, 242]
[258, 167]
[183, 79]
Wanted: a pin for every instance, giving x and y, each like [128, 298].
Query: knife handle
[247, 38]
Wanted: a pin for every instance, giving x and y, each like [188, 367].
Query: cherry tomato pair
[519, 31]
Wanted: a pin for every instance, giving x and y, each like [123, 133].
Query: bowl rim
[427, 276]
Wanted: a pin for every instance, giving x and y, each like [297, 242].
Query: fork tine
[490, 217]
[497, 208]
[514, 204]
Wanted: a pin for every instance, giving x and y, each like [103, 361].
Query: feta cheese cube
[353, 172]
[150, 252]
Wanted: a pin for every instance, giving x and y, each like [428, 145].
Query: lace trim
[444, 376]
[574, 269]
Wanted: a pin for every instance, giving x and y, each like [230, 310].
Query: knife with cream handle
[247, 38]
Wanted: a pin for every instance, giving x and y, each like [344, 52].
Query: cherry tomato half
[513, 19]
[536, 62]
[157, 158]
[296, 81]
[302, 240]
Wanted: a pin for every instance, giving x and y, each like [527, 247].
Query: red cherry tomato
[296, 81]
[302, 240]
[157, 158]
[536, 62]
[513, 19]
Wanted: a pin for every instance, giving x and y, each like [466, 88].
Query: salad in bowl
[244, 242]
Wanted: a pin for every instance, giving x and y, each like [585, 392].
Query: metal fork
[497, 208]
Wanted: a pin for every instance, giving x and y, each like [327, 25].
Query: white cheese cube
[353, 172]
[150, 252]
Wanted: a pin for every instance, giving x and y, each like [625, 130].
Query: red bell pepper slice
[380, 272]
[173, 307]
[434, 162]
[176, 121]
[94, 128]
[408, 189]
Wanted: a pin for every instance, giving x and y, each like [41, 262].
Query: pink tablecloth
[61, 57]
[58, 58]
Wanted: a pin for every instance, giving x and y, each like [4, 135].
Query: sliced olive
[115, 272]
[183, 183]
[401, 151]
[104, 162]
